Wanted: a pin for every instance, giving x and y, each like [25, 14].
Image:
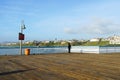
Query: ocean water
[48, 50]
[33, 50]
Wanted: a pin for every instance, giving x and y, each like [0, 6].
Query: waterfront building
[114, 40]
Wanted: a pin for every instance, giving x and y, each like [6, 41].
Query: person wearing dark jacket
[69, 47]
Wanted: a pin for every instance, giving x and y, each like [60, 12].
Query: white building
[46, 41]
[114, 40]
[63, 42]
[94, 40]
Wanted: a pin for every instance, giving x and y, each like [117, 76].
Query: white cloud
[102, 26]
[95, 26]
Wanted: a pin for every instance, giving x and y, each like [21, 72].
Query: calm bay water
[46, 50]
[33, 50]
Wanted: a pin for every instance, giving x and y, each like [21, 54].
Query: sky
[59, 19]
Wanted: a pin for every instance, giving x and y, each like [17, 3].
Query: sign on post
[21, 36]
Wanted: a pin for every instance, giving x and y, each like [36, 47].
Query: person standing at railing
[69, 47]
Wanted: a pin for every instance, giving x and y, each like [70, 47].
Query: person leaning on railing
[69, 47]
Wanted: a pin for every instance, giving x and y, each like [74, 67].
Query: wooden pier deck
[61, 67]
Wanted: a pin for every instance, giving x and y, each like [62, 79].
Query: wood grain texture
[62, 66]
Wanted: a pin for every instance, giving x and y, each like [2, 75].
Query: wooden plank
[61, 67]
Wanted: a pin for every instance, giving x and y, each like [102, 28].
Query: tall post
[21, 29]
[20, 47]
[21, 42]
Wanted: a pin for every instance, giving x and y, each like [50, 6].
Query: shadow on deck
[14, 72]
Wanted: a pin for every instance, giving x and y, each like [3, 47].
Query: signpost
[21, 35]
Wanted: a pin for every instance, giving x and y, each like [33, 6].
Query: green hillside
[101, 43]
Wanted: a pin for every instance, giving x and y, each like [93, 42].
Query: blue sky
[61, 19]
